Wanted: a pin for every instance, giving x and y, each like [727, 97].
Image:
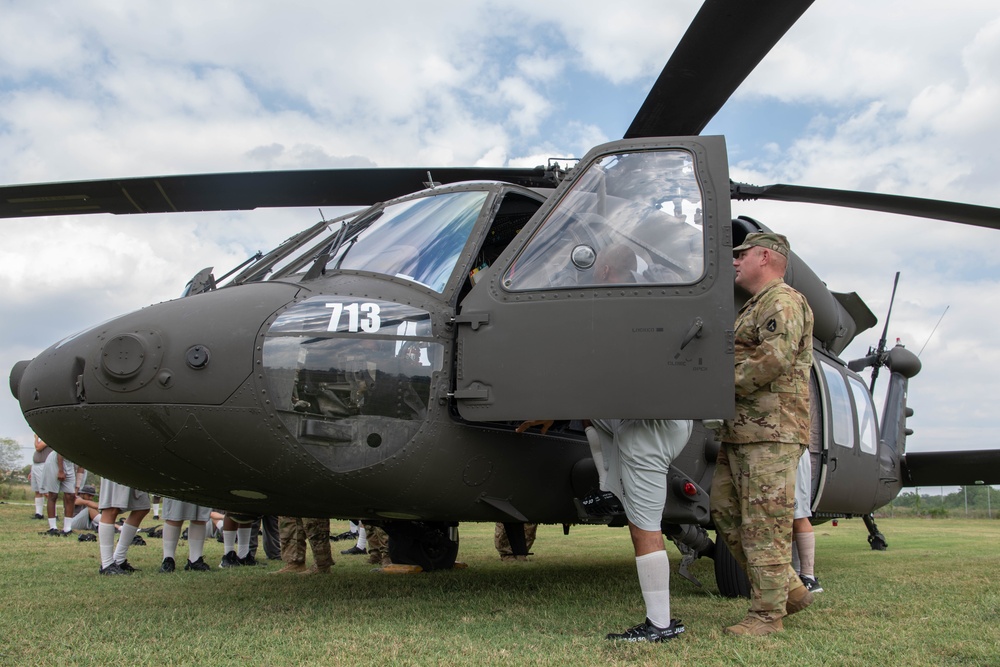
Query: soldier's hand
[546, 424]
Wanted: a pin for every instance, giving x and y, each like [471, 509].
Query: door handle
[693, 332]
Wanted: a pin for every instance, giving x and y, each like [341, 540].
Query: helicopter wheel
[427, 544]
[729, 576]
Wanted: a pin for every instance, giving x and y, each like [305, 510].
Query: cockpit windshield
[630, 218]
[418, 239]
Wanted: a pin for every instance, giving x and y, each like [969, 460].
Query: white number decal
[360, 317]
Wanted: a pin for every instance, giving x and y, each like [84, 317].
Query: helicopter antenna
[933, 330]
[880, 351]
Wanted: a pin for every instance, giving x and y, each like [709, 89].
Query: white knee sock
[106, 538]
[362, 538]
[196, 541]
[171, 536]
[39, 505]
[242, 542]
[124, 541]
[806, 544]
[654, 580]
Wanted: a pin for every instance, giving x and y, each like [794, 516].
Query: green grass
[932, 599]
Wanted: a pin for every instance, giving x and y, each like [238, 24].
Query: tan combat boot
[752, 626]
[798, 599]
[315, 569]
[291, 568]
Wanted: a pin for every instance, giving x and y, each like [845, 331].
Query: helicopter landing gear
[875, 538]
[729, 576]
[431, 545]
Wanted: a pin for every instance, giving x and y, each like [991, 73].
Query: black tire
[421, 543]
[729, 576]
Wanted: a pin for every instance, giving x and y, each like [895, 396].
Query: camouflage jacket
[773, 354]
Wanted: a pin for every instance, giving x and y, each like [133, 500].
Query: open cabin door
[615, 301]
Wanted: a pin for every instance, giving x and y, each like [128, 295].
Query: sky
[898, 97]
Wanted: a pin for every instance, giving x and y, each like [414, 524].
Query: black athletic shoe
[198, 566]
[248, 560]
[168, 565]
[602, 503]
[38, 516]
[87, 537]
[127, 567]
[114, 568]
[811, 584]
[52, 532]
[230, 559]
[647, 632]
[354, 551]
[67, 533]
[346, 535]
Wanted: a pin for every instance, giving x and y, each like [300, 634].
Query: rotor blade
[948, 468]
[246, 190]
[724, 43]
[968, 214]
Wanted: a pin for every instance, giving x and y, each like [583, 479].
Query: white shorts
[122, 497]
[803, 487]
[50, 482]
[37, 472]
[82, 520]
[637, 455]
[178, 510]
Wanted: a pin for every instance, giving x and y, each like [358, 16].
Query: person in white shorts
[88, 516]
[803, 537]
[115, 499]
[633, 457]
[42, 452]
[59, 476]
[175, 513]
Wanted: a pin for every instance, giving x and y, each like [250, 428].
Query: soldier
[294, 532]
[502, 543]
[378, 546]
[753, 491]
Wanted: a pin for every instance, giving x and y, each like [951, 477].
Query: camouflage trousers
[502, 543]
[378, 545]
[752, 501]
[294, 532]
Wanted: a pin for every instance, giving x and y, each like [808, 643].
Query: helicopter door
[615, 301]
[852, 467]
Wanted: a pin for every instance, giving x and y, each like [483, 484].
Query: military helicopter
[376, 365]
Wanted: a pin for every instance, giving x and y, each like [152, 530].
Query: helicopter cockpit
[648, 201]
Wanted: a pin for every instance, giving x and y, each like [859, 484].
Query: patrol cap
[769, 240]
[88, 488]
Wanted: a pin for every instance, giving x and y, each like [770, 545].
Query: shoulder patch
[771, 325]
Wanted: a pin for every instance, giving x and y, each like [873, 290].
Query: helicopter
[376, 365]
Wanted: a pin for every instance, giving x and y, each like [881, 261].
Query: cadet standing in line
[753, 491]
[294, 531]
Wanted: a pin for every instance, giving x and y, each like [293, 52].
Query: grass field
[932, 599]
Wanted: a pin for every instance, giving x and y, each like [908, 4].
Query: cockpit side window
[648, 203]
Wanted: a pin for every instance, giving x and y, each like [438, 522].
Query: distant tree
[10, 458]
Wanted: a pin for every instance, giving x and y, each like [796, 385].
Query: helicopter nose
[194, 350]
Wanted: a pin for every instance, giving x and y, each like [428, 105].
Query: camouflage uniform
[294, 532]
[502, 543]
[753, 492]
[378, 546]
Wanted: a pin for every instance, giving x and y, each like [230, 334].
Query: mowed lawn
[932, 599]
